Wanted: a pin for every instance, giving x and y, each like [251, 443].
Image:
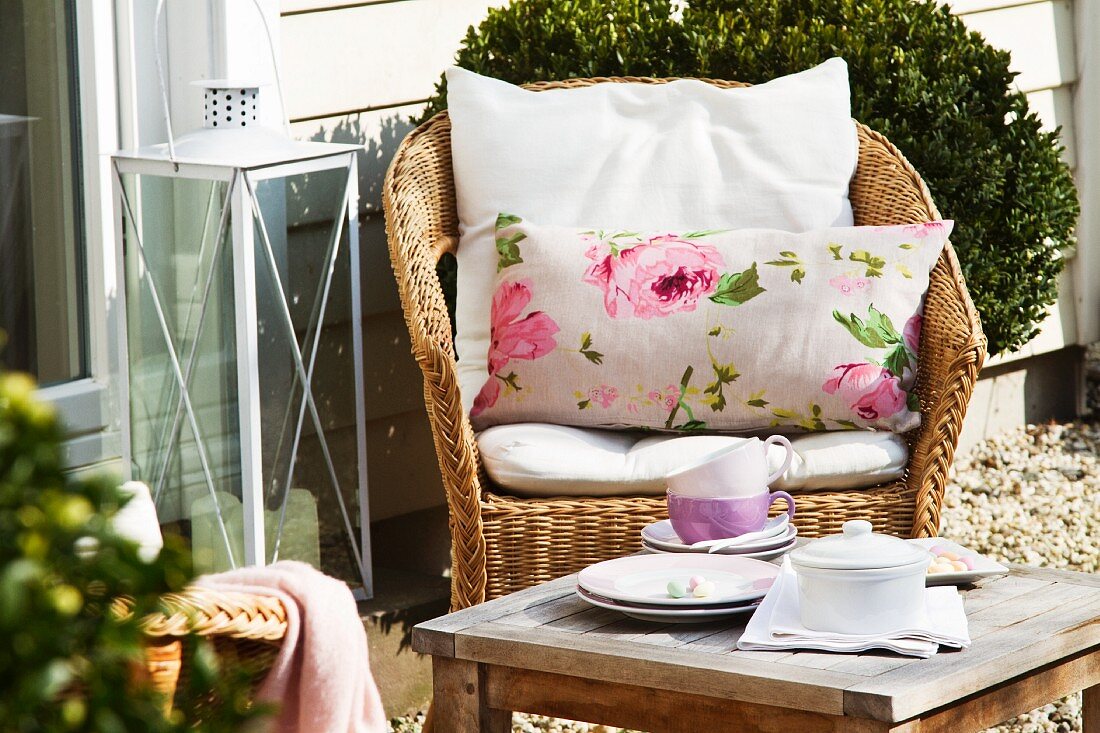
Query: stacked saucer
[776, 538]
[638, 586]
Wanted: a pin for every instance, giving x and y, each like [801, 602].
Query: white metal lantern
[241, 253]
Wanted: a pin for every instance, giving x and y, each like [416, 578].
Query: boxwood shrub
[68, 662]
[938, 91]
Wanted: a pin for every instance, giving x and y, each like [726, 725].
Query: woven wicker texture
[501, 543]
[245, 629]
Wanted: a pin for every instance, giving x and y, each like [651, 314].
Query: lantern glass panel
[302, 326]
[187, 258]
[303, 215]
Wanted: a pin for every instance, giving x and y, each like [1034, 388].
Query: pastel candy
[676, 589]
[704, 589]
[937, 550]
[949, 556]
[968, 561]
[695, 580]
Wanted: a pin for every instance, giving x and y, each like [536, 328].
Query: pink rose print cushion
[661, 276]
[707, 329]
[513, 337]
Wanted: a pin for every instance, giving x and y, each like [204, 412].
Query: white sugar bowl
[860, 582]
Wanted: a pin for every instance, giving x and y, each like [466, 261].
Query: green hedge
[937, 90]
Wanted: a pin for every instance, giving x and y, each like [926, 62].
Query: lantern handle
[164, 84]
[274, 66]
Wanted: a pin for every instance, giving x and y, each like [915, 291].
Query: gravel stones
[1032, 495]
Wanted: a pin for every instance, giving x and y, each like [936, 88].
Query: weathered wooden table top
[1019, 623]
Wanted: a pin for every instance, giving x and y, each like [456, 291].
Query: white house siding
[1040, 34]
[1086, 113]
[356, 72]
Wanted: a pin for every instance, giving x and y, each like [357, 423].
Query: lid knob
[857, 548]
[856, 528]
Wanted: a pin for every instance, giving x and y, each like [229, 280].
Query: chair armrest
[421, 225]
[952, 351]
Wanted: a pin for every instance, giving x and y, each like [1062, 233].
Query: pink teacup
[715, 518]
[737, 470]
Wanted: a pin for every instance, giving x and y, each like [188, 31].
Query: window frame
[91, 408]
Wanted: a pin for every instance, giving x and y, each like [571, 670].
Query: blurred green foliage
[936, 90]
[68, 660]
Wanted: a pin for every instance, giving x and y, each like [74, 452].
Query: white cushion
[777, 155]
[538, 459]
[137, 521]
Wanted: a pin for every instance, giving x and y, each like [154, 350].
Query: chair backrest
[422, 222]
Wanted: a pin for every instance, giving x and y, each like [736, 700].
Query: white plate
[668, 615]
[661, 536]
[983, 566]
[645, 578]
[760, 555]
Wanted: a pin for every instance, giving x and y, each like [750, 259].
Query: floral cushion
[707, 330]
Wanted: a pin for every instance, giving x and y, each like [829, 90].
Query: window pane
[41, 243]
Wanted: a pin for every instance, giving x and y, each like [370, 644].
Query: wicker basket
[246, 631]
[502, 543]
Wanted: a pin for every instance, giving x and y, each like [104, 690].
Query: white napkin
[776, 625]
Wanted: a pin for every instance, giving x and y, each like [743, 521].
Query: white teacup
[739, 470]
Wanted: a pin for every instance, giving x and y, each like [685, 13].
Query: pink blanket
[321, 678]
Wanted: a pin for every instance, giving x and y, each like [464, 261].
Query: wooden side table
[1036, 638]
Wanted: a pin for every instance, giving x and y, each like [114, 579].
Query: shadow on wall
[404, 476]
[380, 137]
[380, 142]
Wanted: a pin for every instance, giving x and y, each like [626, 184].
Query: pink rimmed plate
[669, 614]
[645, 578]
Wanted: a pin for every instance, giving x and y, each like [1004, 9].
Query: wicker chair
[502, 543]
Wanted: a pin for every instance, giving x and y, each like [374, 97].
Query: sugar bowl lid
[858, 548]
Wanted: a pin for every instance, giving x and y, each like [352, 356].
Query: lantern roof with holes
[232, 137]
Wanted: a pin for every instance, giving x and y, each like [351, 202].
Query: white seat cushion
[538, 459]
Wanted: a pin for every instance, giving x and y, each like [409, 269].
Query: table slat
[625, 630]
[1022, 607]
[606, 657]
[436, 636]
[679, 635]
[992, 592]
[872, 663]
[1000, 655]
[1092, 580]
[544, 613]
[722, 642]
[579, 623]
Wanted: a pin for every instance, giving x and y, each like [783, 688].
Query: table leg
[458, 702]
[1090, 709]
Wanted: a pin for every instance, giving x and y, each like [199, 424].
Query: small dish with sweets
[953, 564]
